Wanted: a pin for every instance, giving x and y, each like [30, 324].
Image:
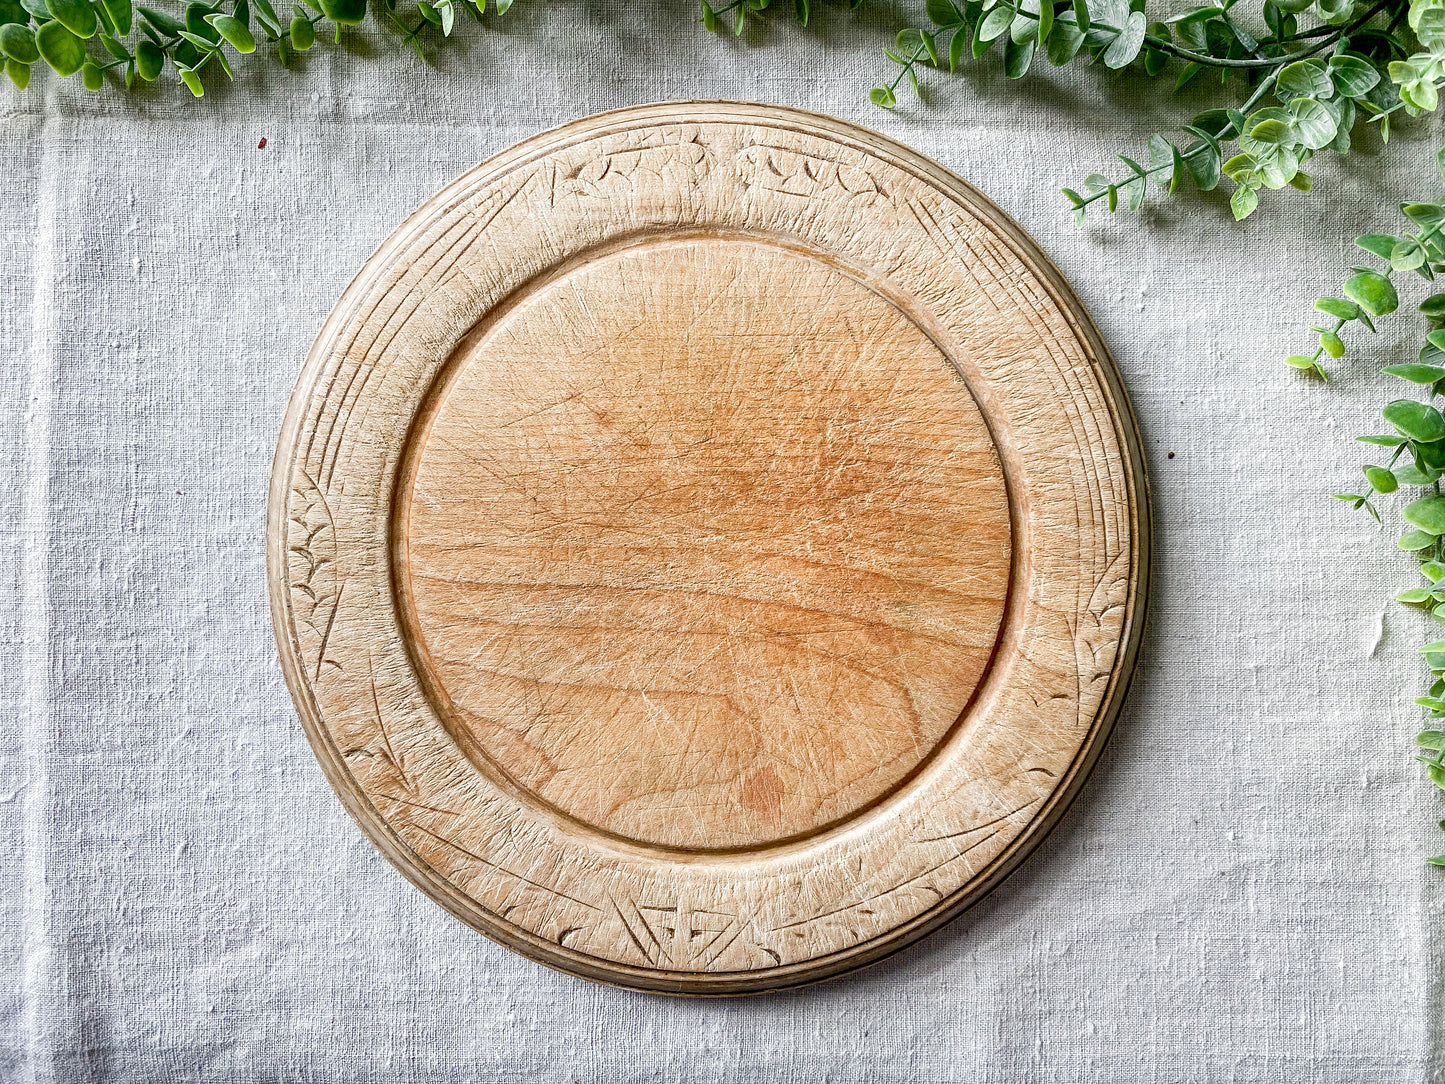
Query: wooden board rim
[546, 952]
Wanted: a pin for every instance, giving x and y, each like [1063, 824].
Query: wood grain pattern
[708, 546]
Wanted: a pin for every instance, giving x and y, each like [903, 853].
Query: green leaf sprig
[1416, 441]
[143, 42]
[1321, 68]
[734, 15]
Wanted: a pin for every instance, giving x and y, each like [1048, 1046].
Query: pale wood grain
[708, 547]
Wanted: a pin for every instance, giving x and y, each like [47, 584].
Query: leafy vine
[1417, 443]
[1304, 88]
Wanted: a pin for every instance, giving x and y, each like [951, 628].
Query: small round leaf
[77, 16]
[149, 60]
[1381, 480]
[1373, 292]
[17, 42]
[59, 48]
[19, 73]
[1419, 421]
[1428, 513]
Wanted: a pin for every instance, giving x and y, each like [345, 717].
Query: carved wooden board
[708, 547]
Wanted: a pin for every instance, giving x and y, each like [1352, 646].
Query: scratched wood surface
[708, 547]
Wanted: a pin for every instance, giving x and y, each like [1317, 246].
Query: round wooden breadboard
[708, 547]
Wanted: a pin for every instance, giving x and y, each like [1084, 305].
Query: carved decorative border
[1067, 439]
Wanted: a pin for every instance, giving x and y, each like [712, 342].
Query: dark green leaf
[18, 43]
[196, 13]
[944, 13]
[1204, 166]
[303, 34]
[1065, 40]
[149, 60]
[353, 12]
[121, 14]
[1017, 56]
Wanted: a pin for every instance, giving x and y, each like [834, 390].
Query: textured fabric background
[1239, 895]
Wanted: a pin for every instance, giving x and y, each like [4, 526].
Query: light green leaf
[1308, 78]
[1428, 513]
[234, 31]
[1416, 374]
[1315, 123]
[1338, 308]
[1123, 49]
[1353, 76]
[1380, 479]
[1373, 292]
[1243, 202]
[1416, 420]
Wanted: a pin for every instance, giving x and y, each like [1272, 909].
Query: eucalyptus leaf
[1373, 292]
[77, 16]
[1310, 78]
[1126, 46]
[1416, 374]
[17, 42]
[1428, 514]
[59, 48]
[1416, 420]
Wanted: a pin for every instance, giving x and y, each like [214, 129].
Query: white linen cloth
[1240, 893]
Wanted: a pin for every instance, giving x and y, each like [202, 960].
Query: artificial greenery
[140, 43]
[1417, 444]
[1303, 75]
[93, 37]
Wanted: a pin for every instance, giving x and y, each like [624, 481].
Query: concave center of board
[704, 544]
